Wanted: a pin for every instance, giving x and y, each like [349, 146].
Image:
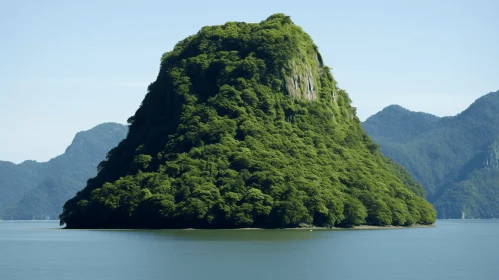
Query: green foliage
[455, 158]
[244, 127]
[355, 212]
[33, 190]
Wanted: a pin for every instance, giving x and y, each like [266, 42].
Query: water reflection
[234, 235]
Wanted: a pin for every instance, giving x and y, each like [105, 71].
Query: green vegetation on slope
[245, 127]
[33, 190]
[456, 159]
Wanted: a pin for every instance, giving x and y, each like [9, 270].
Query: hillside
[454, 158]
[245, 127]
[34, 190]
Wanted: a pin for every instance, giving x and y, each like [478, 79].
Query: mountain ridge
[446, 154]
[76, 164]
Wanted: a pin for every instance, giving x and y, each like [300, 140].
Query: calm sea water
[456, 249]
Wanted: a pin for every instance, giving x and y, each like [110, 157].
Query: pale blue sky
[67, 66]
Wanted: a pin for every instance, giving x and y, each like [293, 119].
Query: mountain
[454, 158]
[33, 190]
[245, 127]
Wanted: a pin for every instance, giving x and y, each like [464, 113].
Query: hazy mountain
[37, 190]
[454, 158]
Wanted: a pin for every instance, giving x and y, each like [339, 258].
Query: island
[245, 127]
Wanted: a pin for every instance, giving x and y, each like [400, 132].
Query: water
[453, 250]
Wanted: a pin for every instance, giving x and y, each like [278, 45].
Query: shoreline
[362, 227]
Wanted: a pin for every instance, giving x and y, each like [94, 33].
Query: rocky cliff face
[492, 156]
[303, 80]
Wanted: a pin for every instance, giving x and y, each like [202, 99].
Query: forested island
[245, 127]
[455, 158]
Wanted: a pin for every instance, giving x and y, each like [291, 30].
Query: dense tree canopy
[456, 159]
[245, 127]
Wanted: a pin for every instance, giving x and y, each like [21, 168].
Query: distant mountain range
[456, 159]
[37, 190]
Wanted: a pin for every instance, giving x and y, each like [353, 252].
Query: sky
[67, 66]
